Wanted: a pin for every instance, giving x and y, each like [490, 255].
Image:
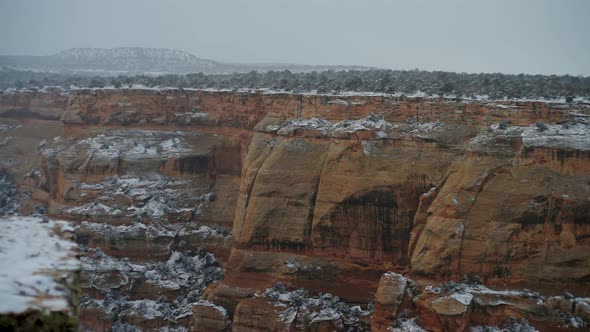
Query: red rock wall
[245, 110]
[352, 206]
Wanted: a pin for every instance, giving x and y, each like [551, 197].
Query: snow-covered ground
[33, 257]
[188, 274]
[510, 325]
[323, 307]
[152, 144]
[344, 128]
[573, 134]
[485, 99]
[152, 197]
[407, 325]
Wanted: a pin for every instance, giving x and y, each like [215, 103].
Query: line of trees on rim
[495, 86]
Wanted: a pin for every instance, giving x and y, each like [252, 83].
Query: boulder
[209, 317]
[388, 299]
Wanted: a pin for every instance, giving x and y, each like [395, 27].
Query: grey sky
[511, 36]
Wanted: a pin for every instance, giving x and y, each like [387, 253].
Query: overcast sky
[510, 36]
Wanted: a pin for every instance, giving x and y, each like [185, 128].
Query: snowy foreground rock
[38, 270]
[147, 296]
[402, 305]
[281, 309]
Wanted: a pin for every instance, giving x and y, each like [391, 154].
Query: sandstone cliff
[323, 192]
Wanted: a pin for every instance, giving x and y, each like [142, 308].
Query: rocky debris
[228, 296]
[180, 271]
[372, 123]
[583, 308]
[406, 325]
[140, 198]
[209, 317]
[388, 298]
[259, 314]
[510, 325]
[191, 118]
[140, 241]
[456, 306]
[38, 281]
[8, 126]
[132, 174]
[574, 311]
[293, 266]
[124, 327]
[452, 305]
[469, 306]
[299, 310]
[176, 285]
[8, 201]
[502, 138]
[499, 140]
[125, 144]
[571, 134]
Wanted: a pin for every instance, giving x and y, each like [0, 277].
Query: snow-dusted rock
[388, 298]
[38, 265]
[209, 317]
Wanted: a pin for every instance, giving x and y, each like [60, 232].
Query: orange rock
[258, 314]
[209, 317]
[341, 184]
[388, 298]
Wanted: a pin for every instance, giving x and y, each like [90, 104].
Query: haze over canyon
[265, 166]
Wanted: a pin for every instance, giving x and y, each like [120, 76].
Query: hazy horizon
[532, 37]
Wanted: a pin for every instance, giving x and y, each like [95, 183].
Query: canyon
[212, 210]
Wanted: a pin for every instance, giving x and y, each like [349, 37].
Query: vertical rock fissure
[248, 194]
[414, 238]
[251, 184]
[312, 205]
[213, 170]
[299, 105]
[487, 178]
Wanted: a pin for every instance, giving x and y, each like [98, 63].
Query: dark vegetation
[8, 202]
[35, 320]
[495, 86]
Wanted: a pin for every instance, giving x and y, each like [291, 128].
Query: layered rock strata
[322, 192]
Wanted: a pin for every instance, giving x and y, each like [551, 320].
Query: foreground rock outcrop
[190, 205]
[39, 279]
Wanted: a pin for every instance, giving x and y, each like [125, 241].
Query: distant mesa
[137, 60]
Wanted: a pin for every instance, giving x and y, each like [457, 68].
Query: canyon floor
[260, 211]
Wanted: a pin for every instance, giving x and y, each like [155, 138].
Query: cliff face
[325, 192]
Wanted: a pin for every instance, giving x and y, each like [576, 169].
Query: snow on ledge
[32, 258]
[205, 303]
[494, 102]
[574, 135]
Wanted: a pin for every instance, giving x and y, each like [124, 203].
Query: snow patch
[346, 128]
[93, 209]
[8, 126]
[464, 298]
[572, 134]
[206, 303]
[134, 144]
[323, 307]
[33, 258]
[407, 325]
[187, 274]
